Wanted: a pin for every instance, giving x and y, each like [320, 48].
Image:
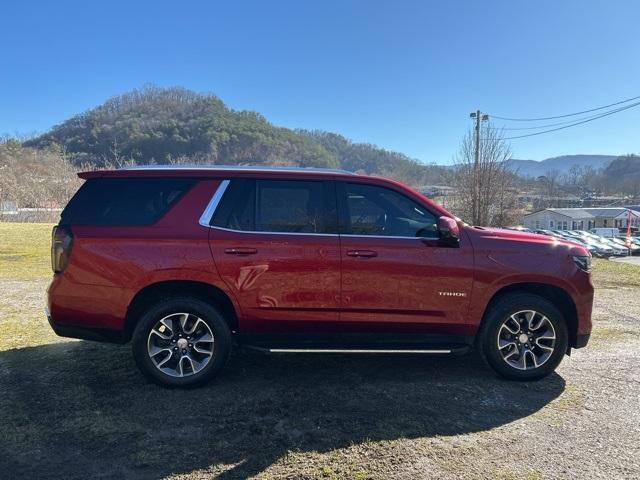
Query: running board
[428, 351]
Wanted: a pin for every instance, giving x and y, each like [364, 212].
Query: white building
[581, 218]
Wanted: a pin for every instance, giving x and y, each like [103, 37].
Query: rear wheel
[181, 342]
[523, 337]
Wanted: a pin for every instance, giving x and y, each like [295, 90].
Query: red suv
[186, 262]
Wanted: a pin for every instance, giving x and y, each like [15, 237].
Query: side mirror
[449, 230]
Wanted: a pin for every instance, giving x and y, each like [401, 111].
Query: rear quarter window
[124, 201]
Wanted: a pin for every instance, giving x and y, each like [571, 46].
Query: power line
[611, 112]
[565, 122]
[564, 116]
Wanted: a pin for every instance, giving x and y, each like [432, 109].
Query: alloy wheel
[526, 340]
[180, 344]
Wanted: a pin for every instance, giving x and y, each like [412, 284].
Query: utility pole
[475, 201]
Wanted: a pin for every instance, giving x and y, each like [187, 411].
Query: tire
[179, 327]
[499, 328]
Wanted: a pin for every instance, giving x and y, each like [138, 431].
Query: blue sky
[400, 74]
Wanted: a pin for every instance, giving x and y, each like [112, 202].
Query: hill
[561, 164]
[162, 125]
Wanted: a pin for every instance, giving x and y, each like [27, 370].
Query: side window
[280, 206]
[379, 211]
[124, 201]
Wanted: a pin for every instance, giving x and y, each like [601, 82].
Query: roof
[609, 211]
[582, 213]
[566, 212]
[210, 171]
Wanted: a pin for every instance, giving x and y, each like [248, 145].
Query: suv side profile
[186, 263]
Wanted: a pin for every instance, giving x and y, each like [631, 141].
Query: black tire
[197, 308]
[499, 313]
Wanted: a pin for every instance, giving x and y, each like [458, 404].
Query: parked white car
[606, 232]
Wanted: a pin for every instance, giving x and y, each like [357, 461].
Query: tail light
[61, 243]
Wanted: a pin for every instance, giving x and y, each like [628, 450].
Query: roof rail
[249, 168]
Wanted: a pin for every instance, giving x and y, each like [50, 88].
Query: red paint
[297, 283]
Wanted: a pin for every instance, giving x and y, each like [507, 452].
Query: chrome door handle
[362, 253]
[240, 251]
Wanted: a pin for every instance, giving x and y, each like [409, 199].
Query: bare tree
[550, 188]
[486, 190]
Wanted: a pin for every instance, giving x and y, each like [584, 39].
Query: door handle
[241, 251]
[362, 253]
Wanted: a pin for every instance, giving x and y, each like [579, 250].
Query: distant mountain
[562, 164]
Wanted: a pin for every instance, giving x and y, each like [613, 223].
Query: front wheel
[523, 337]
[181, 342]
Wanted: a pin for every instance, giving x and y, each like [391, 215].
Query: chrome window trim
[207, 215]
[274, 233]
[210, 210]
[386, 236]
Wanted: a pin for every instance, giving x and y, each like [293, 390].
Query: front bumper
[582, 340]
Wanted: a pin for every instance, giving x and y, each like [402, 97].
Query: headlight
[583, 263]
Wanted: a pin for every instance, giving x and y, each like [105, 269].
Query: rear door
[397, 276]
[276, 246]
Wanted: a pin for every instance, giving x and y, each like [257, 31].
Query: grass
[608, 274]
[25, 251]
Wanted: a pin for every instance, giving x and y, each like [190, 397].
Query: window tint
[123, 201]
[373, 210]
[273, 206]
[237, 207]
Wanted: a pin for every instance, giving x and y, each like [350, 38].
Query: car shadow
[80, 409]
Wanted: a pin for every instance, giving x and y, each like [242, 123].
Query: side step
[436, 350]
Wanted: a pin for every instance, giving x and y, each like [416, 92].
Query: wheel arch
[556, 295]
[158, 290]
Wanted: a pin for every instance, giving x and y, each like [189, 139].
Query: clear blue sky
[400, 74]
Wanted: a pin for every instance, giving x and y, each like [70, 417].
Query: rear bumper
[86, 306]
[86, 333]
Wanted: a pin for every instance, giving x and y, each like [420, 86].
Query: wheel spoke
[154, 350]
[517, 325]
[181, 364]
[183, 321]
[543, 320]
[205, 351]
[165, 360]
[164, 330]
[504, 344]
[513, 352]
[529, 316]
[533, 357]
[196, 324]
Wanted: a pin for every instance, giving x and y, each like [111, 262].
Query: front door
[397, 276]
[275, 244]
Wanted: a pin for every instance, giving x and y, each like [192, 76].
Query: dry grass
[25, 251]
[608, 274]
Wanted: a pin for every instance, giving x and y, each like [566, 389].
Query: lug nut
[175, 349]
[190, 345]
[184, 350]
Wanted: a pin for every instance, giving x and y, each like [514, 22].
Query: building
[581, 218]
